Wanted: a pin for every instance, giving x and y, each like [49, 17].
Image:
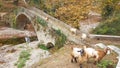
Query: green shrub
[16, 2]
[106, 64]
[37, 3]
[109, 7]
[107, 11]
[13, 18]
[1, 4]
[14, 23]
[24, 56]
[109, 27]
[60, 40]
[42, 22]
[42, 46]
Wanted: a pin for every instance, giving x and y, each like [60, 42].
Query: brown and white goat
[101, 54]
[97, 54]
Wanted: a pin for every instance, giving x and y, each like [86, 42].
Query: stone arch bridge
[28, 15]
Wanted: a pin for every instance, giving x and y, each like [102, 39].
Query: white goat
[46, 18]
[78, 55]
[73, 30]
[84, 36]
[75, 53]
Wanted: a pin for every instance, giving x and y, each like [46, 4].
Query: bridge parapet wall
[57, 24]
[105, 37]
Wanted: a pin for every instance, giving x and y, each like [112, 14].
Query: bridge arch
[24, 22]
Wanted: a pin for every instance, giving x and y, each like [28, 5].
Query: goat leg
[80, 65]
[95, 62]
[75, 60]
[72, 60]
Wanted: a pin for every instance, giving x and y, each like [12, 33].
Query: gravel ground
[10, 54]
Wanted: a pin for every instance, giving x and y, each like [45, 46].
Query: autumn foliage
[68, 11]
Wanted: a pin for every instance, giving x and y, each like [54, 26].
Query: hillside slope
[61, 59]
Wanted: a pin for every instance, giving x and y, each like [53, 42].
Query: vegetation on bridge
[42, 22]
[60, 40]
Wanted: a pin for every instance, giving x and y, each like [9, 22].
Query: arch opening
[24, 23]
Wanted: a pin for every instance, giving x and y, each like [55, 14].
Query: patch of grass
[21, 46]
[60, 40]
[24, 56]
[106, 64]
[42, 46]
[42, 22]
[117, 46]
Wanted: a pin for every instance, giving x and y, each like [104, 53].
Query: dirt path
[61, 59]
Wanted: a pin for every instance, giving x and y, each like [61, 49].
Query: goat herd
[83, 54]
